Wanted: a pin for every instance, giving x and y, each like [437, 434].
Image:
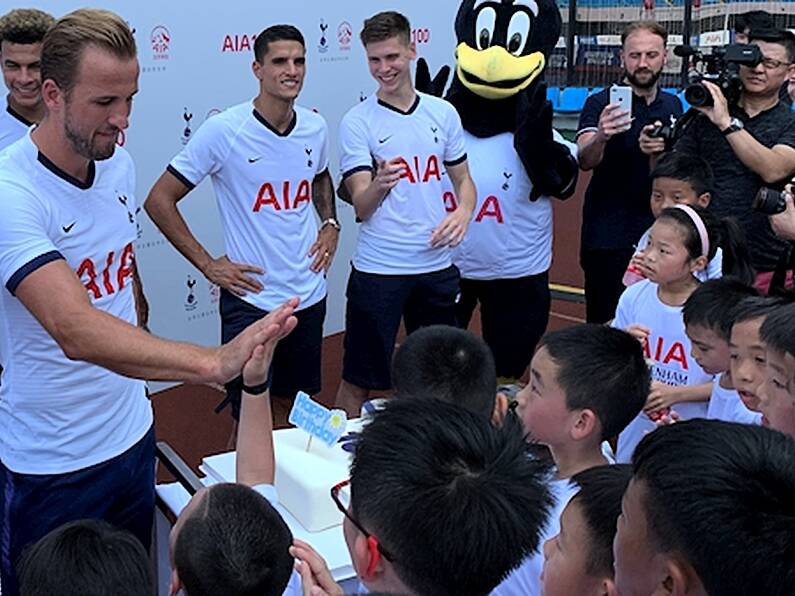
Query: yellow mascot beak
[495, 73]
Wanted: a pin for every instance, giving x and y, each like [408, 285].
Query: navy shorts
[375, 306]
[296, 361]
[513, 314]
[120, 491]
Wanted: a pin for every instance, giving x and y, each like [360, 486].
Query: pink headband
[699, 223]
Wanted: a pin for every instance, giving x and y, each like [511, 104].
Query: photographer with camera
[783, 220]
[748, 138]
[616, 210]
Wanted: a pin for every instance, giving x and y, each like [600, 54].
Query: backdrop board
[195, 61]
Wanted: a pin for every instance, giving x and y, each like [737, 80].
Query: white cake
[304, 478]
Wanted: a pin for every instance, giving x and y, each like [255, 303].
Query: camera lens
[698, 95]
[769, 201]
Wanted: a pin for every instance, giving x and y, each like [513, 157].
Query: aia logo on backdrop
[160, 38]
[238, 43]
[344, 35]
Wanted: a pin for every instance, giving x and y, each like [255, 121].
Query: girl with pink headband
[682, 241]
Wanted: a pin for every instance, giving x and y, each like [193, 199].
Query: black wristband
[256, 389]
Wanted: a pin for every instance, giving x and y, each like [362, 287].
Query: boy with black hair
[777, 394]
[707, 315]
[86, 557]
[449, 364]
[442, 502]
[579, 560]
[230, 539]
[677, 179]
[587, 383]
[708, 512]
[747, 351]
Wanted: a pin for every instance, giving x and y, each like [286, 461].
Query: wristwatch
[331, 222]
[735, 124]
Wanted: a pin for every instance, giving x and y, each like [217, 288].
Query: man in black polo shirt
[748, 146]
[616, 210]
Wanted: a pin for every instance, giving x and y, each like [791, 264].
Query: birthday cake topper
[317, 420]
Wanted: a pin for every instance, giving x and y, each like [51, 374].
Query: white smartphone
[622, 95]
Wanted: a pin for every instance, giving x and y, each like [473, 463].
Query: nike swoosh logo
[384, 140]
[254, 159]
[68, 228]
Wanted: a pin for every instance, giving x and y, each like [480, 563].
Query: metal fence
[587, 54]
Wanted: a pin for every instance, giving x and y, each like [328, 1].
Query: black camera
[721, 67]
[667, 132]
[769, 201]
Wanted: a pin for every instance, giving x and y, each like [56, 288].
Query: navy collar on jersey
[272, 128]
[92, 170]
[18, 116]
[408, 112]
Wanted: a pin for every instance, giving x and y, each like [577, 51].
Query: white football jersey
[263, 186]
[725, 404]
[13, 126]
[58, 415]
[667, 347]
[509, 235]
[396, 238]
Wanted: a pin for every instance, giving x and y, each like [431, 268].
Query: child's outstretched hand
[661, 396]
[639, 332]
[316, 579]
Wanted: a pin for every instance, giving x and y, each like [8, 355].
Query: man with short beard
[76, 433]
[616, 211]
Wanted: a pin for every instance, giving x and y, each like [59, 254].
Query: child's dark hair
[602, 369]
[446, 363]
[235, 543]
[685, 167]
[454, 500]
[720, 494]
[712, 304]
[778, 330]
[86, 557]
[724, 233]
[599, 499]
[756, 307]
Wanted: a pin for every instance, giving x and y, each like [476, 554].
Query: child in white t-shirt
[579, 560]
[777, 393]
[681, 243]
[708, 321]
[677, 179]
[587, 383]
[748, 353]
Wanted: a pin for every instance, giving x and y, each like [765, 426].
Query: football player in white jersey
[402, 264]
[76, 433]
[268, 160]
[21, 33]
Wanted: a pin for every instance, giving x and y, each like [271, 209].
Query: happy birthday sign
[317, 420]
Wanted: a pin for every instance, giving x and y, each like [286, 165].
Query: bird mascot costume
[517, 160]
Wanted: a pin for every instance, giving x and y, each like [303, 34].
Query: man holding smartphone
[616, 209]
